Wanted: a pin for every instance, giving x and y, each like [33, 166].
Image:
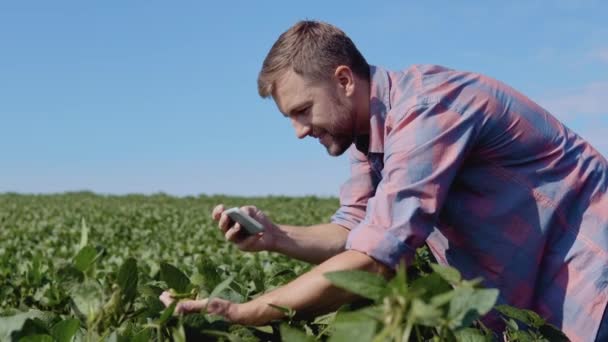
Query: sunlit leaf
[65, 330]
[527, 317]
[85, 258]
[174, 278]
[469, 304]
[450, 274]
[294, 335]
[353, 326]
[127, 279]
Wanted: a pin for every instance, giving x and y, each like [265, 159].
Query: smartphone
[250, 225]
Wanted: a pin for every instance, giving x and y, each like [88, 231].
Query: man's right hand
[236, 234]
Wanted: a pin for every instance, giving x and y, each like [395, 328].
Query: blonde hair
[312, 49]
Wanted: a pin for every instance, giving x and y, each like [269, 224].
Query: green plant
[85, 267]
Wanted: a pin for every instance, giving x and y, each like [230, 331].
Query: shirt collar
[379, 105]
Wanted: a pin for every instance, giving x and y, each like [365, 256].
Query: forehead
[291, 90]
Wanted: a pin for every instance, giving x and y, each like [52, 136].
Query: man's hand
[245, 314]
[236, 234]
[216, 306]
[313, 244]
[309, 294]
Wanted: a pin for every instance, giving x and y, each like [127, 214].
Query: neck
[362, 108]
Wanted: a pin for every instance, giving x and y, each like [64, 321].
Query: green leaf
[425, 314]
[84, 234]
[552, 333]
[221, 287]
[527, 317]
[485, 330]
[178, 333]
[174, 278]
[511, 325]
[294, 335]
[209, 273]
[167, 313]
[443, 298]
[264, 328]
[65, 330]
[362, 283]
[471, 335]
[219, 333]
[450, 274]
[144, 335]
[37, 338]
[150, 290]
[521, 336]
[10, 324]
[399, 283]
[127, 279]
[69, 275]
[475, 282]
[468, 304]
[32, 326]
[87, 298]
[430, 286]
[85, 258]
[353, 326]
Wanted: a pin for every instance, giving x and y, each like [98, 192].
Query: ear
[346, 80]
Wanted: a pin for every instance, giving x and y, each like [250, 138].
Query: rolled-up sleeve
[424, 148]
[355, 192]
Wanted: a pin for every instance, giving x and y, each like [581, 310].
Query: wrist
[274, 236]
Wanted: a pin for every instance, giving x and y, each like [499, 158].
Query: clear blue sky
[147, 96]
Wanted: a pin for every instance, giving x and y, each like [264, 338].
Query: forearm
[313, 244]
[311, 293]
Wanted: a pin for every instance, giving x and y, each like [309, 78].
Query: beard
[342, 133]
[337, 145]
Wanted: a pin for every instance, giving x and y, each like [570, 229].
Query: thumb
[190, 306]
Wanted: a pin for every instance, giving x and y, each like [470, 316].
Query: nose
[302, 130]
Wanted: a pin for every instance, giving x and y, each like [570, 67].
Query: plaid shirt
[494, 184]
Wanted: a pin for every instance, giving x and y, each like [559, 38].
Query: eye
[302, 111]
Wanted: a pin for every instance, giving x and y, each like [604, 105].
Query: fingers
[184, 306]
[217, 211]
[232, 233]
[258, 215]
[251, 211]
[191, 306]
[224, 222]
[166, 298]
[216, 306]
[248, 242]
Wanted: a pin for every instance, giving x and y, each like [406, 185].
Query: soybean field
[88, 267]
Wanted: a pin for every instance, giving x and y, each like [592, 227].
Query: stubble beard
[340, 142]
[338, 145]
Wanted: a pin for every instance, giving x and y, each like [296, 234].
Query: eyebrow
[298, 108]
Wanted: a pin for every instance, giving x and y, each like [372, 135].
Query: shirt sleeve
[355, 192]
[424, 148]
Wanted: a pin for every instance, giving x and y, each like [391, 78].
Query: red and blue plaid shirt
[494, 184]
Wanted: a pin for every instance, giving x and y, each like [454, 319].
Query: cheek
[343, 120]
[334, 118]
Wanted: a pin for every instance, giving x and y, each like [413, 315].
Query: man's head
[319, 80]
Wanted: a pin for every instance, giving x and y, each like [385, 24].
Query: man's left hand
[309, 294]
[216, 306]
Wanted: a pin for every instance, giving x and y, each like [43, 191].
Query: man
[494, 184]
